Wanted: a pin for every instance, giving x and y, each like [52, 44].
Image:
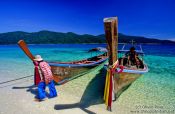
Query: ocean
[155, 89]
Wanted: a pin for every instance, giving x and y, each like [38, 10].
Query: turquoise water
[14, 63]
[157, 87]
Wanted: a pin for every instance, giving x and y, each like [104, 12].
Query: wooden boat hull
[64, 72]
[124, 79]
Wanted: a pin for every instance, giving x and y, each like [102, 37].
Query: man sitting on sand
[46, 79]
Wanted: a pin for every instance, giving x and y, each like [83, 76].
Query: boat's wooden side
[123, 80]
[64, 72]
[127, 77]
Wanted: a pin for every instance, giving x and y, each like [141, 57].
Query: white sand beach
[73, 98]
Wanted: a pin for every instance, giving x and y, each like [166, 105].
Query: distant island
[49, 37]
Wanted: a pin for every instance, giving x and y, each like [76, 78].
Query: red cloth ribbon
[37, 77]
[111, 74]
[114, 69]
[121, 69]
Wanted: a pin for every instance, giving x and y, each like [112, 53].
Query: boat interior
[91, 60]
[86, 61]
[137, 62]
[124, 61]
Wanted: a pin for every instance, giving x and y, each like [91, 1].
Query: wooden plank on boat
[26, 50]
[110, 25]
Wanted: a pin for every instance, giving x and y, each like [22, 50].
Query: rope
[16, 79]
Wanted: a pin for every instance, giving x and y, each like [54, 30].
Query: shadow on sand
[92, 95]
[32, 89]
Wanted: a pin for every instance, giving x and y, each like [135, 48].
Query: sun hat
[38, 58]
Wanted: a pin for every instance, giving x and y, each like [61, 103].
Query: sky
[148, 18]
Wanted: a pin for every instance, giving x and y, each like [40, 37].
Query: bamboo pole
[111, 32]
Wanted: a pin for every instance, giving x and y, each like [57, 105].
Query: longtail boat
[66, 71]
[129, 72]
[119, 75]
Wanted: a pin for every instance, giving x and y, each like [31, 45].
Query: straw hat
[38, 58]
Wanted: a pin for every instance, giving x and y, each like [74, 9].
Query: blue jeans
[42, 87]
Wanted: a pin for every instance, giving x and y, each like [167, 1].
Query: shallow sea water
[154, 90]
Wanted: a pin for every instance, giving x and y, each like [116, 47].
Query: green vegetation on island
[49, 37]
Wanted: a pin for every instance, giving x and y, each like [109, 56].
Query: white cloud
[154, 35]
[172, 39]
